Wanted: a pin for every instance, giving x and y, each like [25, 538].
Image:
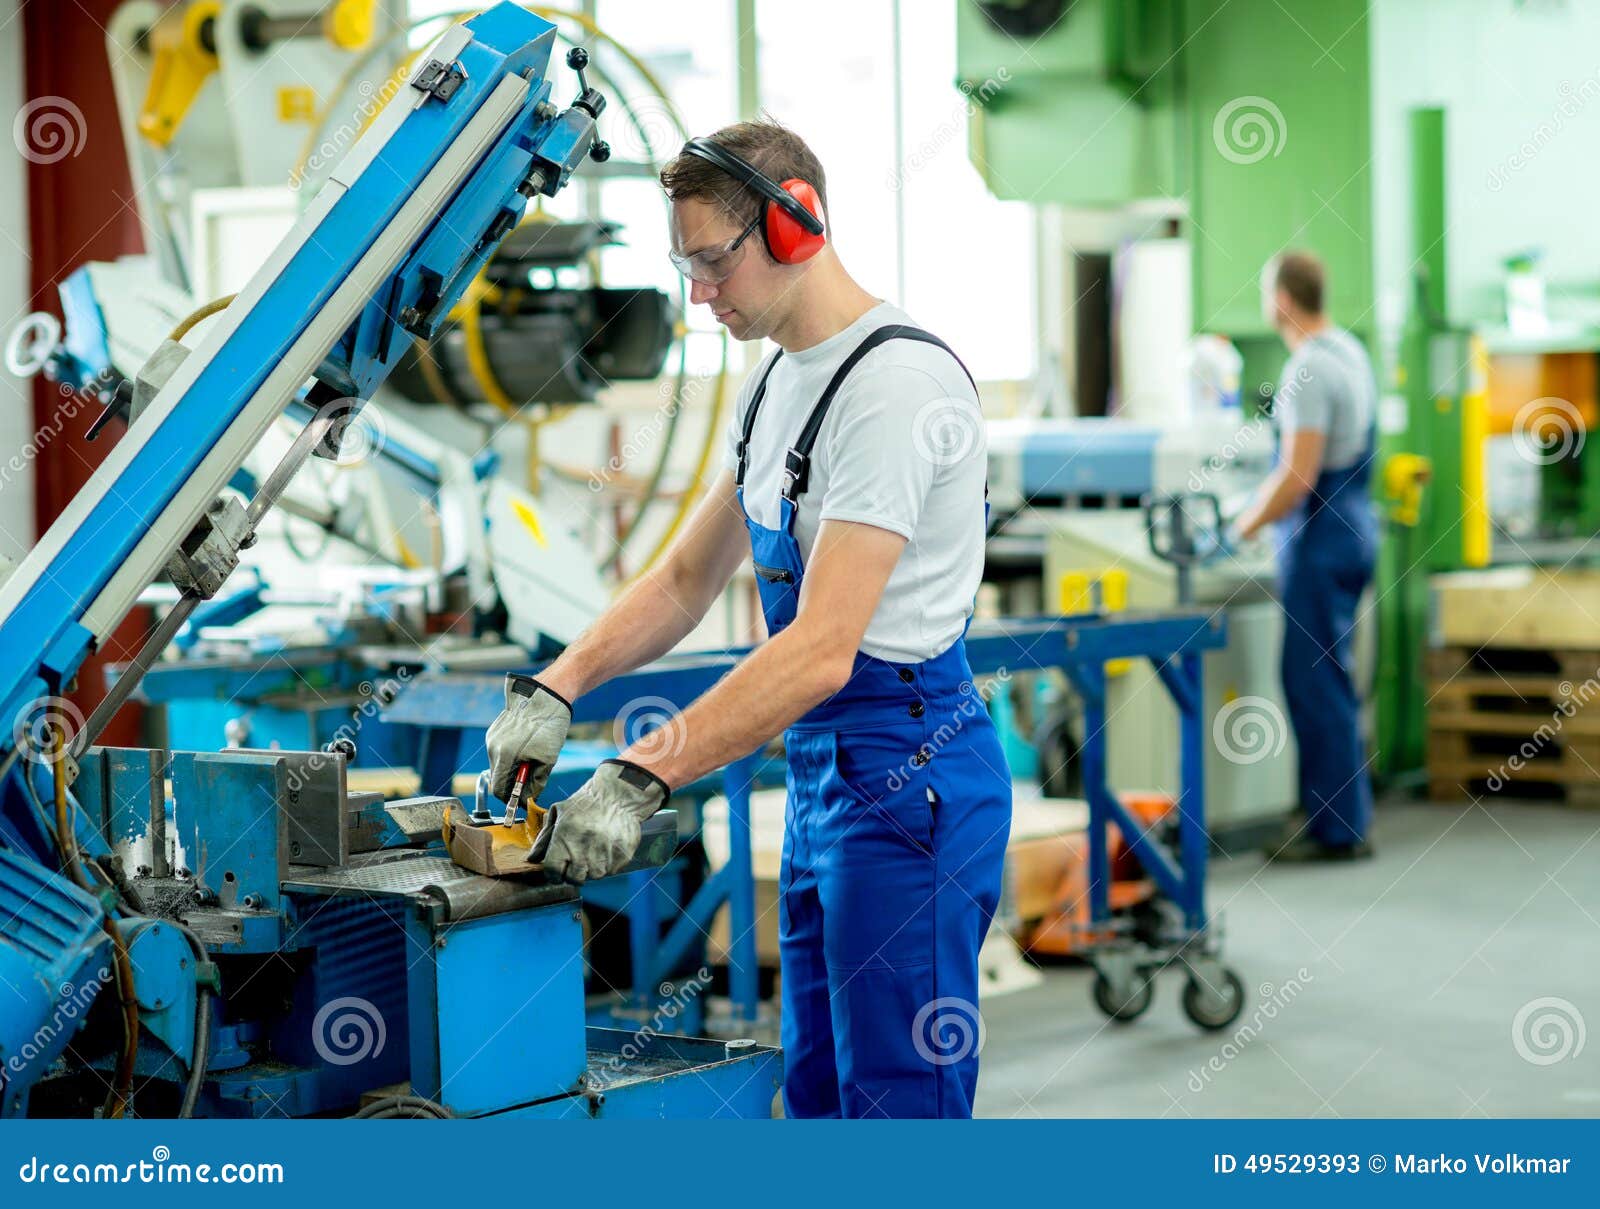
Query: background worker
[1325, 408]
[855, 476]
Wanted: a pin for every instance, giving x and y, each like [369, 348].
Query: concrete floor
[1416, 965]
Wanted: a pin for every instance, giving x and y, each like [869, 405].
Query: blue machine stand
[1127, 953]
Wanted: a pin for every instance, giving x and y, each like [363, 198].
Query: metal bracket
[211, 551]
[439, 79]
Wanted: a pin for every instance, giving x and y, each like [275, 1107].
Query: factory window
[891, 128]
[961, 262]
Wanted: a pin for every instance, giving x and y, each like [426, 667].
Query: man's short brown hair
[1301, 276]
[769, 145]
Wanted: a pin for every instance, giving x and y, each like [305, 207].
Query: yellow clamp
[182, 64]
[1404, 475]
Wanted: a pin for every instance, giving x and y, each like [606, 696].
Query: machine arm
[377, 259]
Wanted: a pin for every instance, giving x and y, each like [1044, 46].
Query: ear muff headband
[791, 228]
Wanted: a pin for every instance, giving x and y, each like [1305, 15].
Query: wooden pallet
[1500, 754]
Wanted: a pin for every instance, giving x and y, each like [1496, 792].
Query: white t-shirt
[902, 448]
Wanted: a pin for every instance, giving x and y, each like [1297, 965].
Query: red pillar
[80, 208]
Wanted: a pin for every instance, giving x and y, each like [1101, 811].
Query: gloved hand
[595, 831]
[531, 727]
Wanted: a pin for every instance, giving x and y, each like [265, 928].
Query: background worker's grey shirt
[1328, 386]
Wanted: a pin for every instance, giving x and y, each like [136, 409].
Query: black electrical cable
[200, 1058]
[403, 1108]
[200, 1062]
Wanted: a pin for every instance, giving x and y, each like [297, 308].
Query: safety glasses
[713, 266]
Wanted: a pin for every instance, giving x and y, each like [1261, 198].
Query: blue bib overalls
[899, 807]
[1326, 552]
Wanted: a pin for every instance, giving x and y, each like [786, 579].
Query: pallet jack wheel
[1126, 1003]
[1214, 1008]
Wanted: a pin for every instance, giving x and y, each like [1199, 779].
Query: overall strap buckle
[796, 470]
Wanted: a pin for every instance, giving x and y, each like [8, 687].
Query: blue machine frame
[262, 886]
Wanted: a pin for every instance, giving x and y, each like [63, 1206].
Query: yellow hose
[697, 483]
[468, 313]
[205, 312]
[549, 13]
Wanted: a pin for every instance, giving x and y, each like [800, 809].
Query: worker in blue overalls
[855, 476]
[1325, 408]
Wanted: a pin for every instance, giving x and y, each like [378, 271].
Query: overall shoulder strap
[797, 462]
[743, 449]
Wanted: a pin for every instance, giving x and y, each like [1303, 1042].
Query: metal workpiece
[444, 892]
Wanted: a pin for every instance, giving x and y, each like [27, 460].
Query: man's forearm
[1281, 492]
[778, 683]
[644, 623]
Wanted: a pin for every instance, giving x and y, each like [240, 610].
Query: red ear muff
[787, 240]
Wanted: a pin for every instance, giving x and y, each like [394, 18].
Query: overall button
[905, 674]
[916, 710]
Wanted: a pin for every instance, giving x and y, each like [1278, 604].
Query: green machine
[1257, 116]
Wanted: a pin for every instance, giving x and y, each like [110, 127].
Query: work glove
[594, 832]
[531, 728]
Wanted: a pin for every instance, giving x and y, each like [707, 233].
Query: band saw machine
[237, 933]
